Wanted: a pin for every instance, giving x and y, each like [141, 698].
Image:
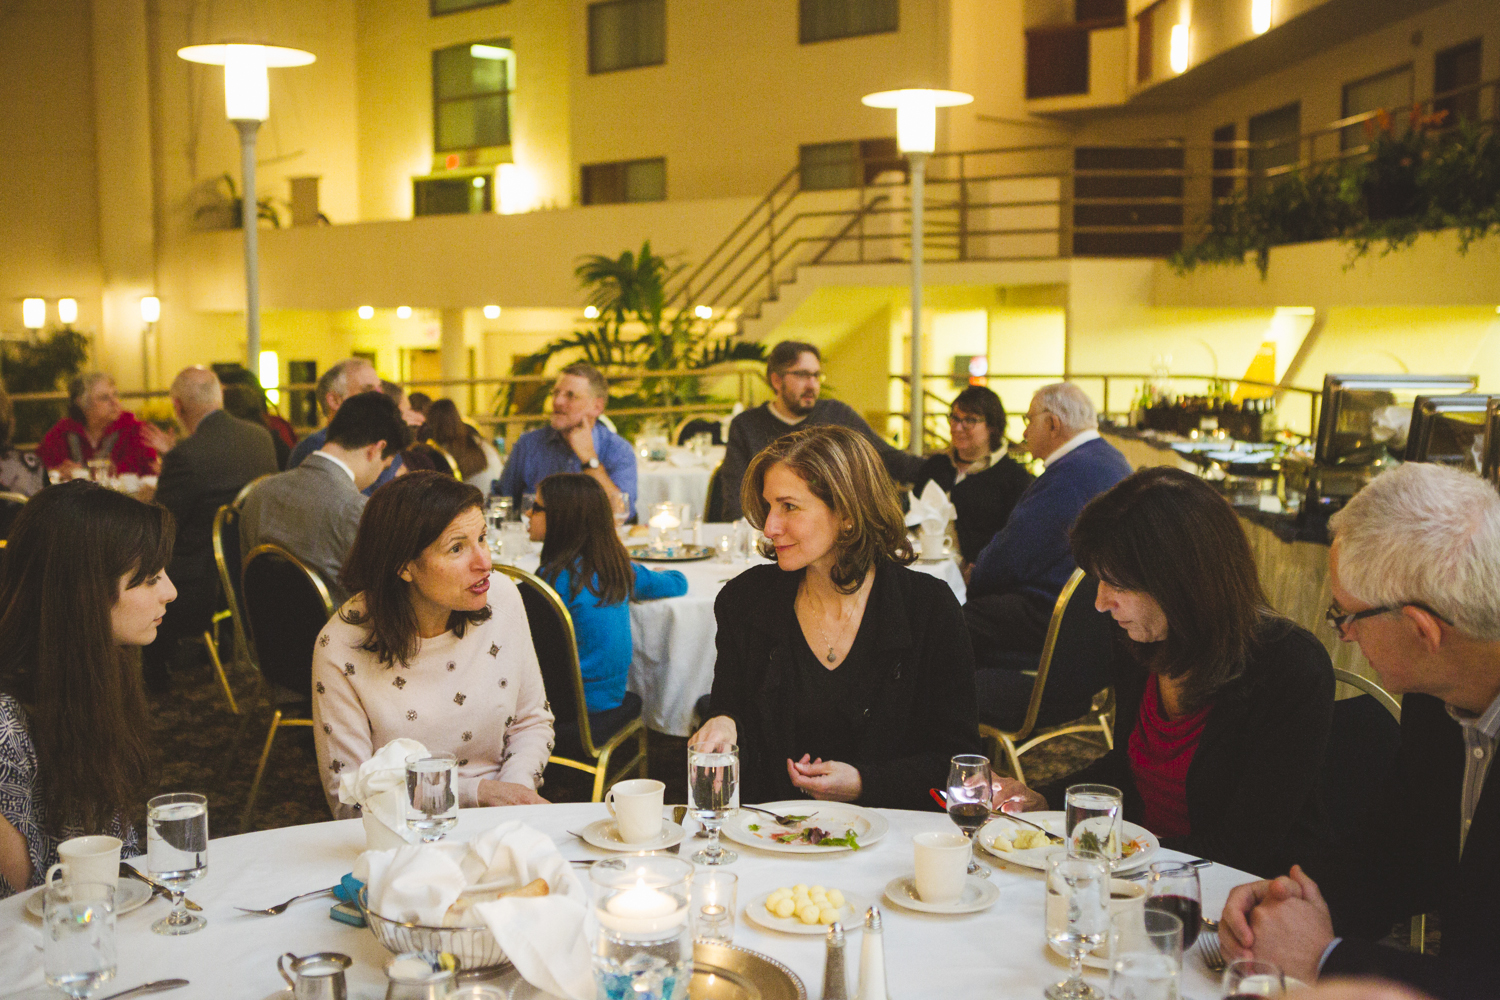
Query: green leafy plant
[43, 364]
[225, 210]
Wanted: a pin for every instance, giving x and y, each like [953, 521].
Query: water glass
[78, 936]
[1077, 915]
[1251, 977]
[969, 800]
[1174, 888]
[515, 541]
[1145, 955]
[1093, 820]
[1142, 975]
[431, 795]
[177, 853]
[620, 502]
[726, 549]
[713, 790]
[713, 905]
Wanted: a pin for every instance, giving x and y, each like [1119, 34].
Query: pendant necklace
[839, 637]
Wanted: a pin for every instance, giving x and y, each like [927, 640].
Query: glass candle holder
[713, 905]
[645, 945]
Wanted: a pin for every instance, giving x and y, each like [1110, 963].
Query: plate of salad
[812, 827]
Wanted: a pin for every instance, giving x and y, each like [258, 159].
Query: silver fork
[272, 911]
[780, 820]
[1208, 944]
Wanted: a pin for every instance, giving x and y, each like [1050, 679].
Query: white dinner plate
[979, 894]
[849, 916]
[605, 835]
[1142, 839]
[868, 825]
[129, 895]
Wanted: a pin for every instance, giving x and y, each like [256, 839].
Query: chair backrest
[445, 461]
[226, 539]
[556, 647]
[286, 606]
[1362, 746]
[10, 509]
[1078, 647]
[713, 504]
[698, 425]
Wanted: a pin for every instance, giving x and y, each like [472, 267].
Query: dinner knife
[157, 889]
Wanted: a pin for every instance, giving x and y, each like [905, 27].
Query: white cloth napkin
[379, 785]
[932, 505]
[542, 935]
[413, 884]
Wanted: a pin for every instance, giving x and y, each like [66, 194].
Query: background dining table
[1000, 952]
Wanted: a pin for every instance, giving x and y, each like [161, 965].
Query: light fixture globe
[246, 89]
[916, 114]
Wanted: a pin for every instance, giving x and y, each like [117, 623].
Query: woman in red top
[1222, 706]
[96, 425]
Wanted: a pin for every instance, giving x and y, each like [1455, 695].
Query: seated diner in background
[83, 586]
[1222, 706]
[434, 647]
[841, 673]
[20, 471]
[586, 563]
[478, 462]
[98, 427]
[1415, 574]
[980, 478]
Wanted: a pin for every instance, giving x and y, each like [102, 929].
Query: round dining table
[1000, 952]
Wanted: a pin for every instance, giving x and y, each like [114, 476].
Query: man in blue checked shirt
[574, 442]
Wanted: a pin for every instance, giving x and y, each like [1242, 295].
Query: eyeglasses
[805, 376]
[1340, 619]
[537, 508]
[967, 423]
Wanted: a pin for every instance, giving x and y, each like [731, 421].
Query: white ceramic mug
[88, 859]
[636, 807]
[941, 860]
[935, 544]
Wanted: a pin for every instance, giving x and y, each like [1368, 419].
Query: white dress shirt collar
[336, 461]
[1075, 442]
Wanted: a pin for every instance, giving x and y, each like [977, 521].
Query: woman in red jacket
[97, 426]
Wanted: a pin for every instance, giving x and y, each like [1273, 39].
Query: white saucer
[605, 835]
[129, 895]
[849, 916]
[979, 894]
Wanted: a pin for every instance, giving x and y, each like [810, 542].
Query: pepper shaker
[835, 980]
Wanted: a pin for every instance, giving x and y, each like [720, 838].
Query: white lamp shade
[67, 311]
[366, 312]
[34, 313]
[1260, 16]
[1177, 52]
[246, 95]
[916, 114]
[150, 309]
[491, 312]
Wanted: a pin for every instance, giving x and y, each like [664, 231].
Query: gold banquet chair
[444, 458]
[562, 678]
[1076, 632]
[226, 544]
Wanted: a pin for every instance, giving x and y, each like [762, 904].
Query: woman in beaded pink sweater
[433, 647]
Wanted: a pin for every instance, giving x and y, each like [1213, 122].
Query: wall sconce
[150, 309]
[491, 312]
[1178, 53]
[67, 311]
[1260, 16]
[366, 312]
[34, 313]
[403, 312]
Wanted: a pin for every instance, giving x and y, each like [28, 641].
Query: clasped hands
[1282, 920]
[829, 780]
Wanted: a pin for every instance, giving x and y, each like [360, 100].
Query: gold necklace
[842, 631]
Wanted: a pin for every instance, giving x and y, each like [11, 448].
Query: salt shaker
[872, 959]
[835, 980]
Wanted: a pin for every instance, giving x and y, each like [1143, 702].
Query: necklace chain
[821, 614]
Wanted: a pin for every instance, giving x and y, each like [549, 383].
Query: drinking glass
[1077, 915]
[713, 790]
[1250, 977]
[1093, 820]
[528, 501]
[177, 853]
[1145, 955]
[969, 800]
[713, 905]
[78, 936]
[431, 802]
[1142, 975]
[1173, 888]
[621, 504]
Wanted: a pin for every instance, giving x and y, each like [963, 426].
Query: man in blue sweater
[1019, 574]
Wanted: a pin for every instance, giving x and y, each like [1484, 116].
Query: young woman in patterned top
[83, 585]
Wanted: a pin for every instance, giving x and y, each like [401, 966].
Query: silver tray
[720, 972]
[685, 553]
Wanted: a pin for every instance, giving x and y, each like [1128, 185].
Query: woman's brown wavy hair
[844, 471]
[581, 538]
[60, 577]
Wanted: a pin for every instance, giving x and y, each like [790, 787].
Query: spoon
[155, 986]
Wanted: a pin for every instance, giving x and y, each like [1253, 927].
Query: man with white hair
[1018, 575]
[1415, 574]
[349, 377]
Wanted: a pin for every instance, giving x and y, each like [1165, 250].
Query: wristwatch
[592, 463]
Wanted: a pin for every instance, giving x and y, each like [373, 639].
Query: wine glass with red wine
[1173, 888]
[969, 800]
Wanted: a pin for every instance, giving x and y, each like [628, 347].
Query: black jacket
[922, 713]
[1252, 788]
[983, 501]
[1407, 862]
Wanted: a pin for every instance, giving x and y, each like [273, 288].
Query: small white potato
[785, 907]
[779, 895]
[827, 915]
[816, 890]
[835, 898]
[1002, 844]
[799, 887]
[809, 914]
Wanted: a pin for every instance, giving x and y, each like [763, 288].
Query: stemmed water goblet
[177, 853]
[713, 790]
[969, 800]
[1077, 915]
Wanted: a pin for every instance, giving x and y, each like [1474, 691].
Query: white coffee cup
[88, 859]
[941, 860]
[935, 544]
[636, 807]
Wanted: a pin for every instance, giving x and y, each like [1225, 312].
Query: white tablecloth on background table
[1001, 952]
[683, 479]
[673, 662]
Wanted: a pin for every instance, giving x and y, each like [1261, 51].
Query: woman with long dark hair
[433, 646]
[83, 585]
[1222, 706]
[586, 563]
[478, 462]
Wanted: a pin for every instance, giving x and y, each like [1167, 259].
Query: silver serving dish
[682, 553]
[720, 972]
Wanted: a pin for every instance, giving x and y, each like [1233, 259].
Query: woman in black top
[841, 674]
[983, 481]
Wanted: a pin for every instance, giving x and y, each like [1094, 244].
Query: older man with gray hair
[1415, 574]
[349, 377]
[1018, 575]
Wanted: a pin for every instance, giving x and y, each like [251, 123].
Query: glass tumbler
[78, 936]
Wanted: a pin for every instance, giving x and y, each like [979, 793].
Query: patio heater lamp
[916, 136]
[247, 103]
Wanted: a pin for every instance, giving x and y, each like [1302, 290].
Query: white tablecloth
[673, 665]
[682, 480]
[998, 953]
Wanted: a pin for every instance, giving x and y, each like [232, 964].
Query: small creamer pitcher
[319, 976]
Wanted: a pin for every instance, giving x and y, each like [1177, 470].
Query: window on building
[1223, 160]
[624, 34]
[1153, 32]
[452, 6]
[1390, 90]
[1127, 202]
[1454, 68]
[629, 180]
[1274, 140]
[455, 195]
[830, 165]
[826, 20]
[471, 92]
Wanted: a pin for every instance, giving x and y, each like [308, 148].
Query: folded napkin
[932, 506]
[378, 787]
[413, 884]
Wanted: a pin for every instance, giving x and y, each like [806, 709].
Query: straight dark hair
[581, 539]
[402, 519]
[786, 354]
[60, 577]
[1168, 534]
[445, 426]
[981, 401]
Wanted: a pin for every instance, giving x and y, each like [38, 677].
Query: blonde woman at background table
[841, 673]
[434, 647]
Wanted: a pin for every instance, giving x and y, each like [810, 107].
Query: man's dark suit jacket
[1407, 861]
[198, 476]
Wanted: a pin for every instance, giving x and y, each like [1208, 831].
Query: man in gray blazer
[201, 473]
[313, 511]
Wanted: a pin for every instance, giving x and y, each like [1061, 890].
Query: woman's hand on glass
[830, 780]
[1010, 795]
[507, 793]
[720, 732]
